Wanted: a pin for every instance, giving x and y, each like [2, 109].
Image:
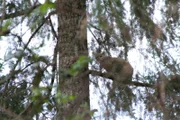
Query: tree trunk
[72, 43]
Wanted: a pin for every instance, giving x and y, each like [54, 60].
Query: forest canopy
[126, 51]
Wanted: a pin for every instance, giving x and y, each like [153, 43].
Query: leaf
[79, 65]
[62, 98]
[46, 6]
[6, 25]
[71, 97]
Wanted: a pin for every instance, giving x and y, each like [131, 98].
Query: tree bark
[72, 43]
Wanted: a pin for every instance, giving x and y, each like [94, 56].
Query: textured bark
[72, 43]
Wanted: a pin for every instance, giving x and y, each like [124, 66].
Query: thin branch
[25, 47]
[19, 13]
[53, 30]
[109, 76]
[34, 33]
[51, 13]
[54, 67]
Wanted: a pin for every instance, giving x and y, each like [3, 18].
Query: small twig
[53, 30]
[19, 13]
[54, 67]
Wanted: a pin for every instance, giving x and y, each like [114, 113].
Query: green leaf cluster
[62, 98]
[46, 6]
[79, 65]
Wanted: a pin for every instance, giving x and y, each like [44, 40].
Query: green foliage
[79, 65]
[39, 97]
[46, 6]
[6, 25]
[13, 98]
[62, 98]
[37, 58]
[119, 27]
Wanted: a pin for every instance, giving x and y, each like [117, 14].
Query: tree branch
[110, 76]
[19, 13]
